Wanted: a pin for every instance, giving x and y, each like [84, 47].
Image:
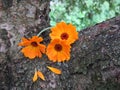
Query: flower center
[34, 44]
[58, 47]
[64, 36]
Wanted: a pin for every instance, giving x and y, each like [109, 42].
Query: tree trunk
[95, 57]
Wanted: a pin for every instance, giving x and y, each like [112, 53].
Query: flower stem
[43, 31]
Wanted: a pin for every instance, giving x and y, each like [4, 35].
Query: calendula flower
[58, 51]
[65, 32]
[32, 48]
[54, 70]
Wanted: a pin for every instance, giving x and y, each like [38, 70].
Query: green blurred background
[83, 13]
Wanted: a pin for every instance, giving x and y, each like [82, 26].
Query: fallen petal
[35, 77]
[40, 74]
[54, 70]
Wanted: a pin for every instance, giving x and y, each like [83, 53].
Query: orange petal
[54, 70]
[35, 77]
[29, 52]
[40, 74]
[24, 42]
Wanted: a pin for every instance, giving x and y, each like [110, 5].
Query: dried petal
[54, 70]
[35, 77]
[40, 74]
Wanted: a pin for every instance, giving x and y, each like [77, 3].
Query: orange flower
[54, 70]
[32, 48]
[58, 51]
[65, 32]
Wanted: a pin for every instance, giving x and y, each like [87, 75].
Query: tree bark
[95, 56]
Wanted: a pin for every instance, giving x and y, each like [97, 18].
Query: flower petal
[54, 70]
[29, 52]
[35, 77]
[24, 42]
[36, 38]
[42, 48]
[40, 74]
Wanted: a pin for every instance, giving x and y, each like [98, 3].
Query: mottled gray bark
[95, 57]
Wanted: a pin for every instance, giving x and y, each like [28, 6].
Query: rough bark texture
[95, 57]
